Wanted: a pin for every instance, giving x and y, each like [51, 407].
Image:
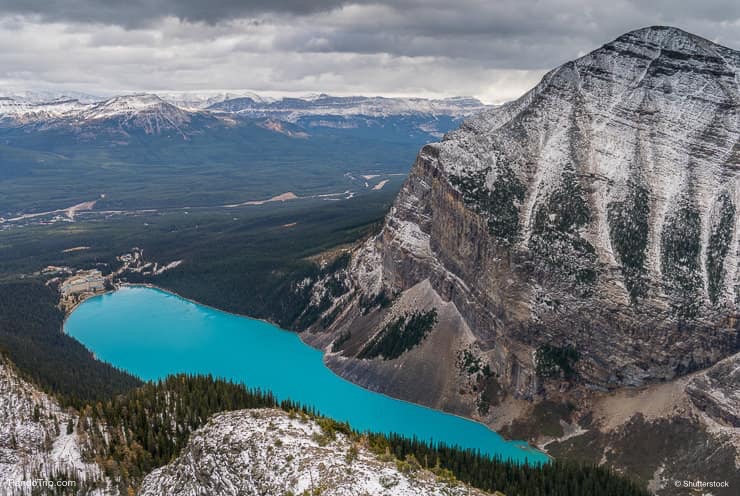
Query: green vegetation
[383, 300]
[628, 228]
[555, 240]
[680, 250]
[553, 479]
[719, 243]
[491, 393]
[500, 204]
[31, 336]
[150, 425]
[217, 165]
[554, 361]
[400, 335]
[470, 362]
[334, 286]
[245, 260]
[241, 260]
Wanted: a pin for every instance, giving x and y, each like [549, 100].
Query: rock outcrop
[717, 392]
[39, 443]
[270, 452]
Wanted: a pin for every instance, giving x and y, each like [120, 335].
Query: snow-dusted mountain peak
[669, 38]
[127, 105]
[21, 111]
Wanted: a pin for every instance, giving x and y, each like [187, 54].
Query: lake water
[152, 333]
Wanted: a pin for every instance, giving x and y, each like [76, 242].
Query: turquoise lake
[152, 333]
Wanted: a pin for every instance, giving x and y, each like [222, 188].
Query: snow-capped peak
[197, 100]
[127, 105]
[23, 111]
[292, 109]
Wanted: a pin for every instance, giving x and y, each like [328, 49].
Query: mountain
[19, 112]
[390, 116]
[157, 113]
[45, 96]
[144, 113]
[293, 108]
[144, 151]
[272, 452]
[131, 106]
[198, 100]
[576, 241]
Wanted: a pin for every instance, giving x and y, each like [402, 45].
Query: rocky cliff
[580, 240]
[591, 221]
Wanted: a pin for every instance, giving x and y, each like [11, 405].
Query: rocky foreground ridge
[580, 240]
[264, 452]
[39, 441]
[270, 452]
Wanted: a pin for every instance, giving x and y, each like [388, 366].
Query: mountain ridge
[247, 104]
[174, 115]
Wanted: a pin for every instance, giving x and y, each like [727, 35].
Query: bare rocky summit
[270, 452]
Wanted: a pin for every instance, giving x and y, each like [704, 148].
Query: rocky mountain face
[391, 115]
[582, 238]
[146, 111]
[597, 213]
[124, 116]
[39, 441]
[270, 452]
[680, 430]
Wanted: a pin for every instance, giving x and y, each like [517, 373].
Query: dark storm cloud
[508, 33]
[132, 13]
[495, 49]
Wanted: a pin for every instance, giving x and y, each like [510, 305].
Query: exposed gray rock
[595, 213]
[269, 452]
[717, 391]
[35, 444]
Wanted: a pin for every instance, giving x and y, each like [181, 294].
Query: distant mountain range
[155, 114]
[207, 149]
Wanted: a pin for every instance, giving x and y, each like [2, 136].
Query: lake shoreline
[522, 445]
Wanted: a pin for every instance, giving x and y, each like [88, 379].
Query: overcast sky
[492, 49]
